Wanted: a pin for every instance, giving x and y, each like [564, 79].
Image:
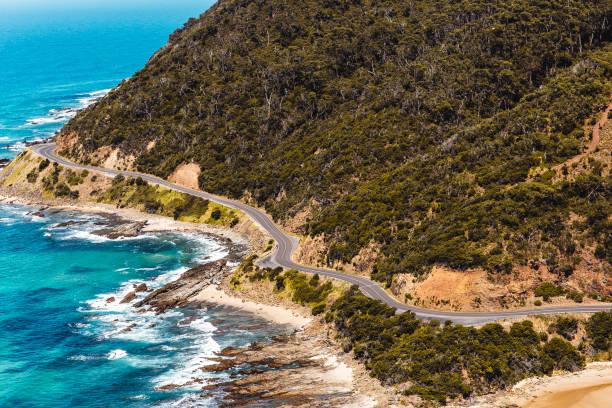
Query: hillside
[427, 133]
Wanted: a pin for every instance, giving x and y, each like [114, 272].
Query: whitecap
[61, 115]
[83, 357]
[202, 325]
[116, 354]
[191, 368]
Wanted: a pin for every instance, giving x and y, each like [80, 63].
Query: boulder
[129, 297]
[141, 288]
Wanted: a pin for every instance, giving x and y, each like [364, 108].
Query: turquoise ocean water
[61, 343]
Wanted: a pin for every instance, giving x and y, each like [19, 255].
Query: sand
[275, 314]
[591, 388]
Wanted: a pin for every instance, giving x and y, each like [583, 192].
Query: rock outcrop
[180, 292]
[124, 229]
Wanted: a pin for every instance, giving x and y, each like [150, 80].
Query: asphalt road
[286, 244]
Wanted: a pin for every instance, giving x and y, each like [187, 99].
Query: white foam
[83, 357]
[203, 326]
[65, 114]
[186, 371]
[97, 239]
[85, 236]
[116, 354]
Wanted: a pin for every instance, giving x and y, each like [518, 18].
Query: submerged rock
[67, 224]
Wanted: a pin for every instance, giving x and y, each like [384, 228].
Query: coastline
[589, 387]
[318, 366]
[326, 358]
[157, 223]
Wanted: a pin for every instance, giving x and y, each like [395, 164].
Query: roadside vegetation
[153, 199]
[438, 361]
[414, 125]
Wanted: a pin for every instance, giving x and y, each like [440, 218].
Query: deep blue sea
[61, 343]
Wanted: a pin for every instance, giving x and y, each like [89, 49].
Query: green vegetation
[564, 326]
[305, 290]
[439, 362]
[548, 290]
[73, 178]
[449, 361]
[136, 192]
[599, 328]
[43, 164]
[411, 124]
[32, 176]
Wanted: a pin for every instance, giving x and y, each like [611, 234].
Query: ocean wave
[83, 357]
[116, 354]
[191, 368]
[62, 115]
[89, 236]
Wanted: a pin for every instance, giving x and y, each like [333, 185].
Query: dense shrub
[565, 326]
[43, 164]
[548, 290]
[599, 329]
[449, 361]
[32, 176]
[381, 115]
[563, 354]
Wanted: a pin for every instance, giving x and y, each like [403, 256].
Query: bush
[599, 329]
[216, 214]
[32, 176]
[564, 326]
[548, 290]
[401, 348]
[537, 303]
[62, 190]
[575, 296]
[318, 309]
[564, 355]
[118, 179]
[43, 165]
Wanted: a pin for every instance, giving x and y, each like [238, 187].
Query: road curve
[286, 244]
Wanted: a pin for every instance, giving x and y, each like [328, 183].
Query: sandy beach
[591, 388]
[275, 314]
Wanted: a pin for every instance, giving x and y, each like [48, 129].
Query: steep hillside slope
[422, 130]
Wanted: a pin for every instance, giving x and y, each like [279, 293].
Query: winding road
[286, 244]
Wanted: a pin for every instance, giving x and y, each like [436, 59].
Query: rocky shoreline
[305, 368]
[302, 369]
